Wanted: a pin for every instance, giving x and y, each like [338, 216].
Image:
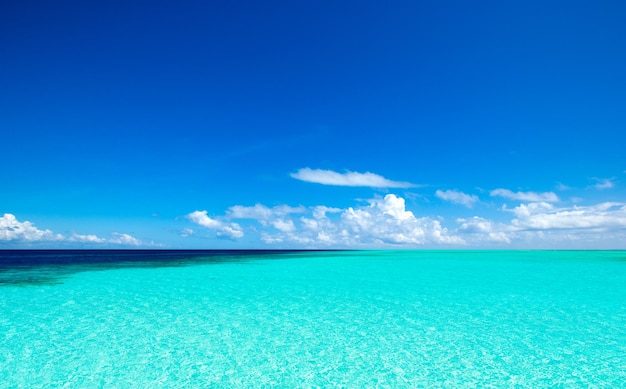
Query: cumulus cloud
[329, 177]
[380, 222]
[12, 229]
[543, 216]
[484, 230]
[125, 239]
[542, 221]
[550, 197]
[86, 238]
[284, 225]
[222, 229]
[543, 224]
[457, 197]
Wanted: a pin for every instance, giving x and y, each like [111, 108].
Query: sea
[312, 319]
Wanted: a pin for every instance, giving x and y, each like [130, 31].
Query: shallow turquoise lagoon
[319, 319]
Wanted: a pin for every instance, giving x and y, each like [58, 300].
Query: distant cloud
[457, 197]
[14, 231]
[381, 222]
[125, 239]
[329, 177]
[86, 238]
[484, 230]
[544, 224]
[262, 213]
[543, 216]
[562, 187]
[550, 197]
[604, 183]
[386, 222]
[222, 229]
[186, 232]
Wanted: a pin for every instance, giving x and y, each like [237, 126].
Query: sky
[314, 125]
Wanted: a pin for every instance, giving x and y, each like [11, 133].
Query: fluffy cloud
[386, 222]
[12, 230]
[484, 230]
[222, 229]
[380, 222]
[543, 216]
[124, 239]
[86, 238]
[550, 197]
[543, 224]
[329, 177]
[457, 197]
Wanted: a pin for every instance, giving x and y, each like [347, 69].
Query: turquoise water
[334, 319]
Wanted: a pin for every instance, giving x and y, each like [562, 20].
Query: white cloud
[562, 187]
[382, 222]
[117, 238]
[457, 197]
[542, 216]
[186, 232]
[329, 177]
[86, 238]
[484, 230]
[284, 225]
[263, 214]
[544, 225]
[231, 231]
[604, 183]
[386, 222]
[12, 229]
[125, 239]
[550, 197]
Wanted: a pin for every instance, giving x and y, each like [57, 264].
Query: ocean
[291, 319]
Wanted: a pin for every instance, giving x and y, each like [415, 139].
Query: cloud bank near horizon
[520, 220]
[386, 222]
[14, 231]
[329, 177]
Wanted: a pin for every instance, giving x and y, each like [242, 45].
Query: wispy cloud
[604, 183]
[329, 177]
[262, 213]
[457, 197]
[550, 197]
[562, 187]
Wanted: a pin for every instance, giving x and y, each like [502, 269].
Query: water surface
[303, 319]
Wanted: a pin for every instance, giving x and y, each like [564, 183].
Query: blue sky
[313, 124]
